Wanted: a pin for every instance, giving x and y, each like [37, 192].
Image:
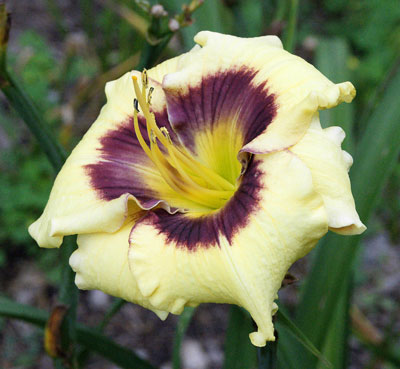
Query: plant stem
[56, 155]
[87, 337]
[267, 355]
[183, 323]
[115, 307]
[151, 53]
[290, 34]
[84, 354]
[29, 113]
[68, 294]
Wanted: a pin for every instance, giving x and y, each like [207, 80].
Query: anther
[153, 137]
[145, 80]
[136, 105]
[166, 134]
[149, 95]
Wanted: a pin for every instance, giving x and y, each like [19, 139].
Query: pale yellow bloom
[214, 189]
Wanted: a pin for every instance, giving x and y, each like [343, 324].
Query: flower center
[183, 174]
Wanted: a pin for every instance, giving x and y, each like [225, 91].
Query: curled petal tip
[273, 41]
[161, 314]
[258, 339]
[354, 229]
[202, 37]
[347, 91]
[178, 306]
[80, 282]
[333, 95]
[347, 159]
[43, 236]
[336, 134]
[75, 261]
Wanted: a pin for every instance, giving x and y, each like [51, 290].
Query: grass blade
[285, 321]
[115, 307]
[56, 155]
[290, 352]
[88, 337]
[289, 39]
[183, 324]
[243, 11]
[117, 354]
[267, 356]
[29, 314]
[239, 352]
[374, 160]
[21, 102]
[331, 59]
[335, 348]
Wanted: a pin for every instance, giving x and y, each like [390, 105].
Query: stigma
[181, 171]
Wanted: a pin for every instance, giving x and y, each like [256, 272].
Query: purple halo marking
[221, 97]
[192, 233]
[218, 98]
[117, 172]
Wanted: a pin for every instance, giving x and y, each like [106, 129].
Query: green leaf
[335, 348]
[68, 294]
[239, 352]
[284, 321]
[249, 18]
[30, 314]
[290, 351]
[56, 155]
[20, 101]
[114, 309]
[267, 356]
[375, 158]
[183, 323]
[125, 358]
[117, 304]
[88, 337]
[289, 37]
[332, 56]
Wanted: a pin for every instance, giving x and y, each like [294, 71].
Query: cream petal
[299, 90]
[320, 150]
[233, 257]
[75, 205]
[171, 65]
[101, 262]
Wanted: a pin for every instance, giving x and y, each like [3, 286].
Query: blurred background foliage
[63, 52]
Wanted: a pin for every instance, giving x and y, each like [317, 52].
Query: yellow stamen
[149, 95]
[139, 135]
[188, 189]
[180, 170]
[190, 164]
[175, 162]
[145, 83]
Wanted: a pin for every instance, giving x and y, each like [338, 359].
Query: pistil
[183, 174]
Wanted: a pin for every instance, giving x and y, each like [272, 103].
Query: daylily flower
[204, 179]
